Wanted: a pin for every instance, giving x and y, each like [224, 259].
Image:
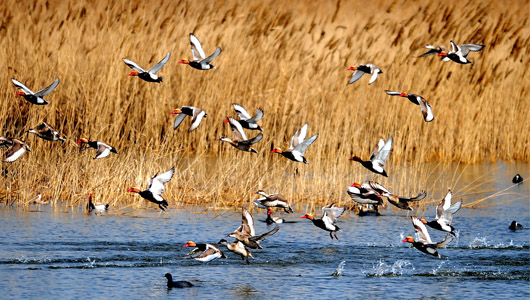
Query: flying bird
[246, 233]
[238, 248]
[246, 120]
[104, 150]
[272, 200]
[240, 140]
[46, 132]
[200, 61]
[18, 148]
[378, 158]
[444, 214]
[155, 189]
[298, 146]
[204, 252]
[330, 214]
[30, 96]
[364, 69]
[459, 54]
[425, 107]
[149, 75]
[424, 242]
[195, 113]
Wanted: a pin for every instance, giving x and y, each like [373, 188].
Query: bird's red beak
[133, 73]
[184, 61]
[352, 68]
[176, 111]
[20, 94]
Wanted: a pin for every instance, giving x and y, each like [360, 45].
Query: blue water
[60, 253]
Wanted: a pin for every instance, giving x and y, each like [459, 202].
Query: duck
[96, 207]
[424, 242]
[238, 248]
[18, 147]
[330, 214]
[38, 200]
[247, 121]
[459, 54]
[364, 69]
[204, 252]
[365, 194]
[149, 75]
[240, 140]
[425, 107]
[434, 50]
[444, 215]
[517, 179]
[195, 113]
[298, 146]
[104, 150]
[46, 132]
[155, 189]
[177, 284]
[378, 158]
[272, 220]
[246, 234]
[405, 202]
[200, 61]
[30, 96]
[515, 226]
[273, 200]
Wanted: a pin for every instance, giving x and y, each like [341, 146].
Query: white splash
[339, 269]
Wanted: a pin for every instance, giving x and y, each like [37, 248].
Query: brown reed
[290, 59]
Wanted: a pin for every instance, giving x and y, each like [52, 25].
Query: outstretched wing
[426, 110]
[302, 147]
[247, 223]
[375, 72]
[237, 129]
[355, 76]
[260, 238]
[256, 118]
[158, 182]
[210, 58]
[253, 140]
[196, 48]
[377, 148]
[131, 64]
[421, 230]
[448, 239]
[332, 212]
[298, 137]
[391, 93]
[180, 117]
[45, 91]
[241, 112]
[159, 65]
[382, 155]
[466, 48]
[22, 87]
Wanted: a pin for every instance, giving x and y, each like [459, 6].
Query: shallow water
[56, 253]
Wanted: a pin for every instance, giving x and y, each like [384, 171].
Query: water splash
[339, 269]
[436, 270]
[382, 269]
[91, 263]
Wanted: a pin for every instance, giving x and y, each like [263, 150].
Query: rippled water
[62, 253]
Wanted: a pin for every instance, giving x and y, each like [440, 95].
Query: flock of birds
[245, 237]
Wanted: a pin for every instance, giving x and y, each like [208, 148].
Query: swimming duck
[155, 189]
[18, 148]
[444, 214]
[45, 131]
[240, 140]
[517, 179]
[246, 234]
[96, 207]
[176, 284]
[238, 248]
[515, 226]
[104, 150]
[247, 121]
[38, 200]
[378, 158]
[424, 242]
[30, 96]
[195, 113]
[200, 61]
[272, 200]
[298, 146]
[330, 214]
[425, 107]
[204, 252]
[149, 75]
[459, 54]
[272, 220]
[364, 69]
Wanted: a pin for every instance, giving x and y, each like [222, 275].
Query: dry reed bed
[289, 59]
